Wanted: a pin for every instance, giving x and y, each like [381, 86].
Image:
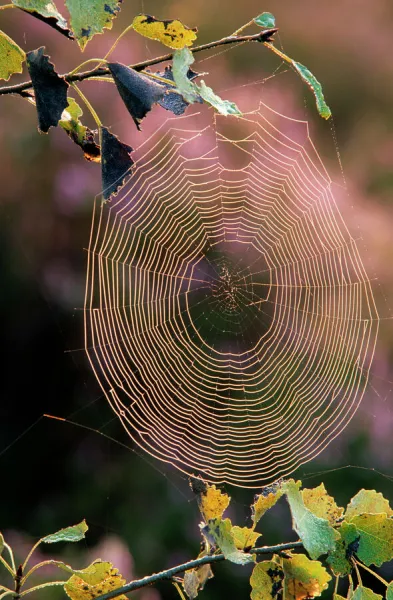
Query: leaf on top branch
[376, 538]
[219, 533]
[245, 538]
[316, 88]
[45, 10]
[79, 133]
[12, 57]
[50, 90]
[321, 504]
[265, 20]
[172, 100]
[101, 579]
[137, 91]
[224, 107]
[91, 17]
[363, 593]
[171, 33]
[368, 501]
[212, 502]
[317, 535]
[262, 502]
[75, 533]
[266, 580]
[304, 578]
[116, 163]
[340, 560]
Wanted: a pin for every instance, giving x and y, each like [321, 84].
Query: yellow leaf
[367, 501]
[264, 501]
[171, 33]
[321, 504]
[304, 578]
[212, 503]
[99, 578]
[191, 583]
[245, 538]
[266, 580]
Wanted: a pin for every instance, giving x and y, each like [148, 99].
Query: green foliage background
[57, 473]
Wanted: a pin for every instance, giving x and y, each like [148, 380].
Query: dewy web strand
[228, 315]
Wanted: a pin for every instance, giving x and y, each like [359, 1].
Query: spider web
[228, 315]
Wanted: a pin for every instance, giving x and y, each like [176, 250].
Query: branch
[263, 36]
[192, 564]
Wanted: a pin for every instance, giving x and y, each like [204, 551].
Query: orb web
[228, 315]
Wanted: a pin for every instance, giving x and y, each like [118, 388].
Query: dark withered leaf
[116, 163]
[173, 101]
[50, 90]
[138, 91]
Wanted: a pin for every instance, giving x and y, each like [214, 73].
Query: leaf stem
[86, 62]
[203, 560]
[178, 588]
[55, 563]
[11, 555]
[4, 6]
[89, 106]
[41, 586]
[7, 566]
[30, 554]
[376, 575]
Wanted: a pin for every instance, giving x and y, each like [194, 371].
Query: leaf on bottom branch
[266, 580]
[368, 501]
[363, 593]
[12, 57]
[116, 163]
[321, 504]
[195, 579]
[100, 578]
[376, 538]
[46, 11]
[340, 559]
[50, 90]
[79, 133]
[212, 502]
[174, 101]
[137, 91]
[304, 578]
[389, 591]
[244, 537]
[219, 533]
[262, 502]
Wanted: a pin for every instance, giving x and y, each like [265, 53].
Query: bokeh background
[141, 513]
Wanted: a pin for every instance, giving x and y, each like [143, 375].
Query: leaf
[102, 578]
[265, 20]
[79, 133]
[219, 533]
[91, 17]
[137, 91]
[46, 11]
[304, 578]
[212, 502]
[376, 538]
[389, 591]
[244, 537]
[75, 533]
[116, 163]
[12, 57]
[170, 33]
[340, 559]
[50, 90]
[182, 60]
[224, 107]
[321, 504]
[363, 593]
[338, 597]
[368, 501]
[266, 580]
[172, 100]
[316, 88]
[191, 584]
[317, 535]
[267, 499]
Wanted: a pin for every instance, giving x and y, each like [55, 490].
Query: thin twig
[263, 36]
[192, 564]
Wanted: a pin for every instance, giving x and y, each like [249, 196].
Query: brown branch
[192, 564]
[263, 36]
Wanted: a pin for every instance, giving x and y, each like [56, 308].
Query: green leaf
[367, 501]
[79, 133]
[338, 597]
[219, 533]
[91, 17]
[316, 88]
[75, 533]
[267, 499]
[182, 59]
[363, 593]
[304, 578]
[265, 20]
[172, 100]
[224, 107]
[376, 538]
[171, 33]
[266, 580]
[244, 537]
[317, 535]
[12, 57]
[346, 547]
[321, 504]
[389, 591]
[46, 11]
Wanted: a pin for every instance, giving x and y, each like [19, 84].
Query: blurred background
[141, 513]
